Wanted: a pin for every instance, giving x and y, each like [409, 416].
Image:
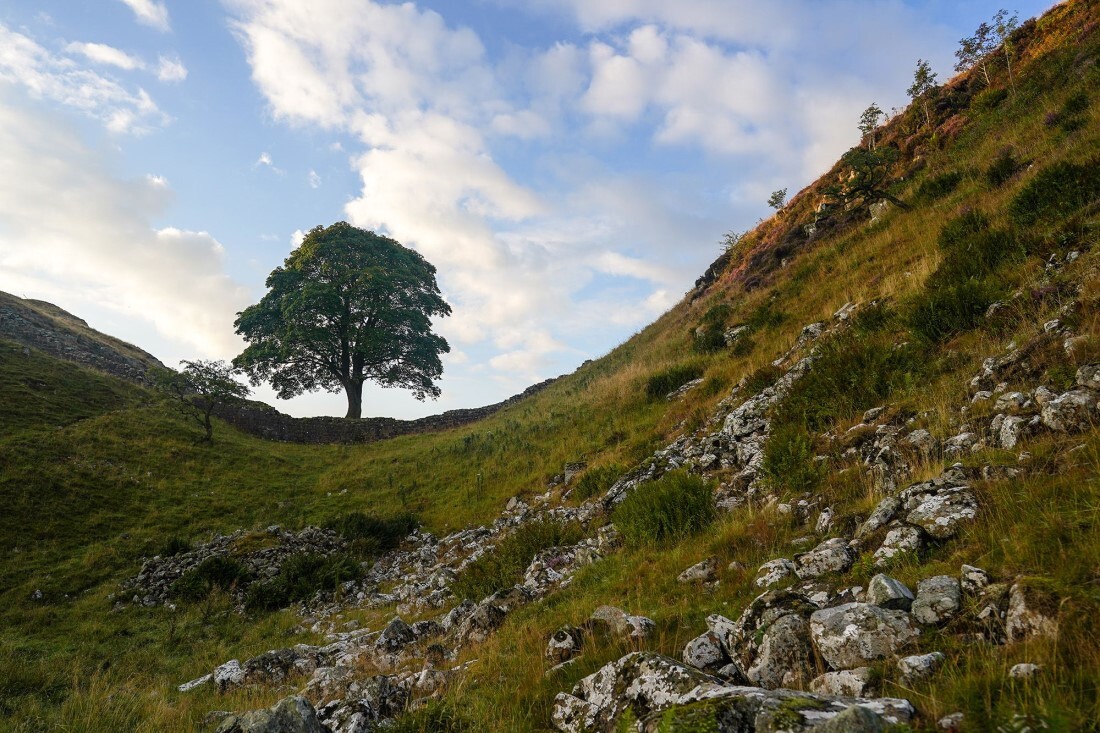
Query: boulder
[564, 644]
[1088, 376]
[228, 675]
[940, 514]
[1013, 429]
[854, 634]
[886, 592]
[1032, 611]
[785, 657]
[903, 538]
[858, 682]
[856, 719]
[480, 624]
[938, 599]
[291, 715]
[831, 556]
[775, 572]
[973, 579]
[701, 572]
[920, 667]
[705, 652]
[880, 517]
[1072, 411]
[395, 637]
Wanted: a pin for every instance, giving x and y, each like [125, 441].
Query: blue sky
[569, 166]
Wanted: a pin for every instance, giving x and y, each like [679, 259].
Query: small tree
[778, 199]
[974, 51]
[868, 123]
[924, 84]
[200, 388]
[869, 176]
[1003, 28]
[731, 239]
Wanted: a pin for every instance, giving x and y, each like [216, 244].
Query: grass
[96, 473]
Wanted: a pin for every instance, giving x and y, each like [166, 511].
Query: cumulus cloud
[59, 79]
[150, 13]
[103, 54]
[171, 69]
[70, 225]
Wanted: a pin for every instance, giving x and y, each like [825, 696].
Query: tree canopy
[200, 387]
[347, 306]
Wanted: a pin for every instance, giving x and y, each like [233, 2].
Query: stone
[854, 634]
[856, 719]
[775, 572]
[919, 667]
[858, 682]
[785, 656]
[940, 514]
[701, 572]
[901, 539]
[831, 556]
[395, 637]
[640, 627]
[1013, 429]
[959, 445]
[938, 599]
[1024, 671]
[480, 624]
[886, 592]
[510, 599]
[1011, 401]
[291, 715]
[197, 682]
[564, 644]
[1032, 612]
[611, 618]
[228, 675]
[705, 652]
[1088, 376]
[1072, 411]
[880, 517]
[922, 440]
[973, 579]
[952, 722]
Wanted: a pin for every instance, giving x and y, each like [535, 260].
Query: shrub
[504, 567]
[717, 315]
[220, 572]
[988, 99]
[708, 340]
[437, 716]
[939, 313]
[596, 481]
[762, 378]
[671, 379]
[175, 546]
[1072, 115]
[368, 535]
[1057, 192]
[939, 186]
[971, 250]
[667, 510]
[300, 577]
[1003, 167]
[788, 460]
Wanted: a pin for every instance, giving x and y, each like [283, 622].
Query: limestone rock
[291, 715]
[856, 719]
[941, 513]
[395, 637]
[1088, 376]
[858, 682]
[228, 675]
[903, 538]
[480, 624]
[973, 579]
[785, 657]
[854, 634]
[1032, 611]
[920, 667]
[886, 592]
[880, 517]
[701, 572]
[564, 644]
[831, 556]
[775, 572]
[705, 652]
[1024, 671]
[1071, 411]
[938, 599]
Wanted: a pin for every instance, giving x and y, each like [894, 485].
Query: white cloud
[314, 179]
[69, 225]
[61, 80]
[296, 238]
[150, 13]
[266, 161]
[171, 69]
[103, 54]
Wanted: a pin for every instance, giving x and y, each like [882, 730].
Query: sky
[568, 166]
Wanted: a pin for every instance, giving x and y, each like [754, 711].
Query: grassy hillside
[96, 474]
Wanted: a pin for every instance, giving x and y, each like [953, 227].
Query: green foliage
[596, 481]
[300, 577]
[671, 379]
[437, 716]
[788, 460]
[708, 341]
[717, 315]
[852, 373]
[369, 536]
[347, 306]
[217, 572]
[762, 378]
[175, 546]
[1057, 192]
[870, 176]
[939, 313]
[665, 511]
[938, 186]
[988, 100]
[504, 567]
[1003, 167]
[200, 388]
[778, 199]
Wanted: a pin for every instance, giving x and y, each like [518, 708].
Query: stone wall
[265, 421]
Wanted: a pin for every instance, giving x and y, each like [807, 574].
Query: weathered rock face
[701, 572]
[705, 652]
[775, 572]
[1032, 611]
[564, 644]
[785, 657]
[940, 514]
[854, 634]
[657, 691]
[1071, 412]
[938, 599]
[292, 715]
[886, 592]
[831, 556]
[857, 682]
[920, 666]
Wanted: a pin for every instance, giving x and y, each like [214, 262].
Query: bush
[434, 717]
[596, 481]
[1057, 192]
[788, 460]
[667, 510]
[1072, 115]
[939, 313]
[219, 572]
[1003, 167]
[971, 250]
[504, 567]
[671, 379]
[370, 536]
[717, 315]
[300, 577]
[708, 340]
[988, 99]
[939, 186]
[175, 546]
[762, 378]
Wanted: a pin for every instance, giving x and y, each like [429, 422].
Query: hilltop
[851, 481]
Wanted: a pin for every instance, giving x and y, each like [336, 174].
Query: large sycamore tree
[347, 306]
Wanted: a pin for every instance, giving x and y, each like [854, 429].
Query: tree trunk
[354, 391]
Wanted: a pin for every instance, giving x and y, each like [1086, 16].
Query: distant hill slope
[43, 326]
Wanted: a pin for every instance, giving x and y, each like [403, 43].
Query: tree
[924, 83]
[200, 388]
[868, 123]
[869, 175]
[974, 51]
[1003, 28]
[778, 199]
[346, 306]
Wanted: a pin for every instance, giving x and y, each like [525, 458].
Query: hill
[859, 460]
